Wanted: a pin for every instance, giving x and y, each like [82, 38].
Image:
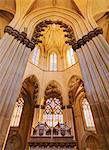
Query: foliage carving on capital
[22, 37]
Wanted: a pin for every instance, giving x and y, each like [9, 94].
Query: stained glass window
[53, 112]
[15, 120]
[70, 57]
[36, 55]
[87, 114]
[53, 62]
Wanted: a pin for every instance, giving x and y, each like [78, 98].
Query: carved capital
[75, 46]
[98, 31]
[26, 41]
[15, 33]
[31, 45]
[8, 30]
[85, 39]
[22, 37]
[80, 43]
[91, 34]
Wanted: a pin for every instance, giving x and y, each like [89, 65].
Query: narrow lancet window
[15, 120]
[53, 62]
[87, 114]
[70, 57]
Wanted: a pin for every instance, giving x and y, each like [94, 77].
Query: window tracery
[87, 114]
[15, 120]
[53, 62]
[53, 112]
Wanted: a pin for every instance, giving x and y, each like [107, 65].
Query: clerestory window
[53, 61]
[70, 57]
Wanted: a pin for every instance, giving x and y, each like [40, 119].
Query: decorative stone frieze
[58, 136]
[22, 37]
[84, 39]
[87, 38]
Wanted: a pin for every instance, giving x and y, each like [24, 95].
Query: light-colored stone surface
[93, 58]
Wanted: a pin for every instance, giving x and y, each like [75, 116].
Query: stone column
[93, 55]
[14, 52]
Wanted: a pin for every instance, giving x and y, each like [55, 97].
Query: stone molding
[85, 38]
[62, 107]
[22, 37]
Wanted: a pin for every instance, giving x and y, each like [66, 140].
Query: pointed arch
[75, 89]
[30, 87]
[90, 141]
[53, 114]
[53, 89]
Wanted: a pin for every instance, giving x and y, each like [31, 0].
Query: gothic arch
[30, 87]
[53, 89]
[70, 17]
[90, 140]
[76, 89]
[29, 93]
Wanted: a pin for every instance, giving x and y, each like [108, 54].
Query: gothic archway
[90, 141]
[29, 93]
[76, 96]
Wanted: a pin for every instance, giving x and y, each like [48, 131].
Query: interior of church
[54, 74]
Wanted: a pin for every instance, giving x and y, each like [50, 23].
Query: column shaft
[13, 60]
[94, 66]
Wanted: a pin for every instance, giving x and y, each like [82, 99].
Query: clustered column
[93, 54]
[14, 52]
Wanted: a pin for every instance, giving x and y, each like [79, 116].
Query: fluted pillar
[93, 54]
[14, 52]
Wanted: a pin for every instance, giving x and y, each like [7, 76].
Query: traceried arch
[88, 118]
[15, 120]
[53, 61]
[76, 89]
[24, 110]
[53, 102]
[53, 112]
[77, 96]
[30, 87]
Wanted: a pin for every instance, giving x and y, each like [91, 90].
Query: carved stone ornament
[42, 25]
[22, 37]
[84, 39]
